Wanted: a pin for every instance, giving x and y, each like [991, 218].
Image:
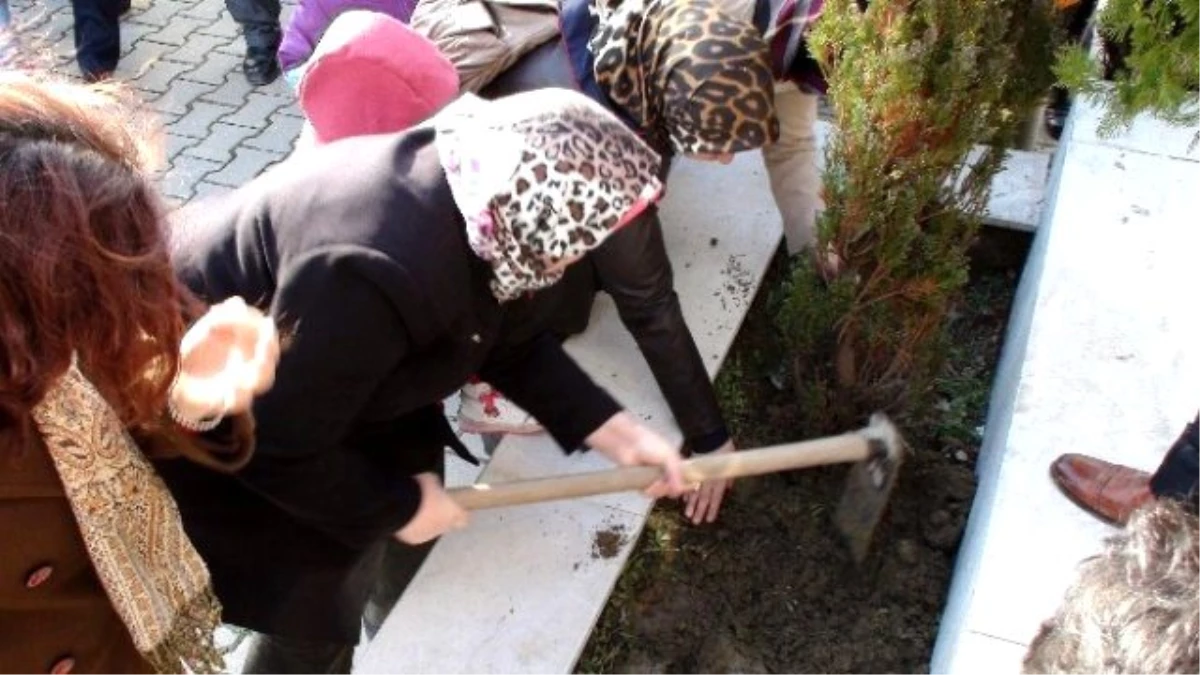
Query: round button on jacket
[63, 666]
[38, 576]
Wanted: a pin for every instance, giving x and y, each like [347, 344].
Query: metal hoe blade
[869, 485]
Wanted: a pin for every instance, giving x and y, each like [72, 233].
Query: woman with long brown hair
[99, 372]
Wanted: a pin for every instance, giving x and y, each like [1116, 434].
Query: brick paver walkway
[184, 58]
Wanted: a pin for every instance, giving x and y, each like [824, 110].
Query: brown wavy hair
[84, 268]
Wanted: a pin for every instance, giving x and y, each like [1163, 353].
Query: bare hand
[703, 504]
[829, 266]
[437, 514]
[226, 359]
[630, 443]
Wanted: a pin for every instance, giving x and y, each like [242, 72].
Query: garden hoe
[875, 450]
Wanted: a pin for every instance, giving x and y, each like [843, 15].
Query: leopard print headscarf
[695, 79]
[541, 178]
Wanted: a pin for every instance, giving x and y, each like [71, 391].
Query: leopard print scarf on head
[541, 178]
[695, 79]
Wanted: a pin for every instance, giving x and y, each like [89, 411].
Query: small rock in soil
[722, 654]
[958, 482]
[961, 456]
[906, 551]
[942, 530]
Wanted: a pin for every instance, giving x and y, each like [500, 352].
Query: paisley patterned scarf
[697, 80]
[541, 178]
[131, 528]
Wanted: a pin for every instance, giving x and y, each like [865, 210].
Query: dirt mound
[770, 587]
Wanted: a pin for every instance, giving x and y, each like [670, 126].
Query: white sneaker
[483, 410]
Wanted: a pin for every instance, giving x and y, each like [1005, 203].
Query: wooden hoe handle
[846, 448]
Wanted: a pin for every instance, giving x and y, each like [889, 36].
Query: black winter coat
[360, 255]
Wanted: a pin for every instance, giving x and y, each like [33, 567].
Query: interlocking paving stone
[63, 48]
[257, 109]
[205, 189]
[215, 68]
[180, 96]
[280, 135]
[159, 74]
[159, 13]
[177, 32]
[234, 91]
[196, 49]
[176, 144]
[140, 57]
[233, 47]
[247, 163]
[219, 144]
[224, 26]
[47, 24]
[209, 10]
[185, 172]
[199, 119]
[132, 34]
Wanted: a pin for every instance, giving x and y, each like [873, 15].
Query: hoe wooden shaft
[846, 448]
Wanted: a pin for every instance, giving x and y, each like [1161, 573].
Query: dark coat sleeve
[342, 336]
[544, 380]
[633, 268]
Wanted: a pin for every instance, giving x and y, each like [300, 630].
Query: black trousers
[98, 34]
[259, 20]
[398, 564]
[1177, 476]
[275, 654]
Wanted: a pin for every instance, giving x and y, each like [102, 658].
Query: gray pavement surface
[183, 57]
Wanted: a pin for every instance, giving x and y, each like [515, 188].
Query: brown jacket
[54, 614]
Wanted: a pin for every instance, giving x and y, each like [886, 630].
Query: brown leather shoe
[1108, 491]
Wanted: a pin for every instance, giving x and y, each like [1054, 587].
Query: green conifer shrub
[927, 95]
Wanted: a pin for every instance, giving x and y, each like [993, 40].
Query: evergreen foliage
[1150, 63]
[927, 95]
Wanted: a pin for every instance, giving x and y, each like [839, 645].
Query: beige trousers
[792, 160]
[792, 166]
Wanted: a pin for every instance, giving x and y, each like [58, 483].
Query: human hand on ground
[704, 503]
[225, 359]
[630, 443]
[437, 514]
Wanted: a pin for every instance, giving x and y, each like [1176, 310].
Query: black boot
[97, 37]
[260, 66]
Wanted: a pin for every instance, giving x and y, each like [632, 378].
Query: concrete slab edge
[1001, 406]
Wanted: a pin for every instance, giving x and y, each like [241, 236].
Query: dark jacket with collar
[359, 253]
[633, 268]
